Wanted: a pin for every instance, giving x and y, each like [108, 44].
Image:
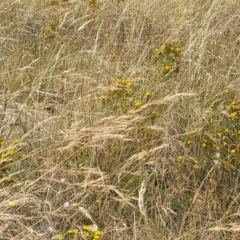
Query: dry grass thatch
[119, 119]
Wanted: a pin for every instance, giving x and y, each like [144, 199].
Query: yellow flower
[167, 68]
[130, 84]
[179, 158]
[204, 145]
[12, 204]
[233, 115]
[87, 227]
[226, 91]
[159, 50]
[228, 165]
[60, 236]
[97, 234]
[103, 97]
[148, 94]
[219, 134]
[233, 151]
[177, 50]
[224, 143]
[72, 231]
[11, 151]
[22, 155]
[87, 230]
[138, 104]
[216, 147]
[154, 112]
[228, 107]
[86, 233]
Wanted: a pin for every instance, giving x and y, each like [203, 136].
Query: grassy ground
[120, 119]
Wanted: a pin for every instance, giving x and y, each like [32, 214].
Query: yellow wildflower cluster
[9, 151]
[9, 154]
[218, 140]
[124, 83]
[169, 56]
[174, 48]
[159, 51]
[186, 160]
[222, 144]
[228, 165]
[73, 232]
[91, 232]
[234, 109]
[121, 96]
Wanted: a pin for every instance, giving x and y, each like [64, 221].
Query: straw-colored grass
[119, 119]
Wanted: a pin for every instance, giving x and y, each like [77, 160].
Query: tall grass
[119, 119]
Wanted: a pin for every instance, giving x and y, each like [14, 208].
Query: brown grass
[83, 144]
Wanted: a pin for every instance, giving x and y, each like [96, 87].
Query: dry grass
[120, 114]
